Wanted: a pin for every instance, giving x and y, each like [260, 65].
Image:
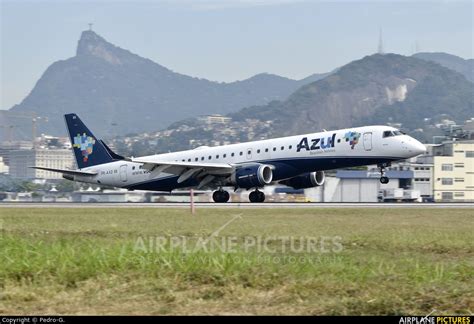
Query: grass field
[100, 261]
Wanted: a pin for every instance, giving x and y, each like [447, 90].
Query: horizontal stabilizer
[70, 172]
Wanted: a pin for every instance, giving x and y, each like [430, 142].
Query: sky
[226, 40]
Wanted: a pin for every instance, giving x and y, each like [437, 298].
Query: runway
[239, 205]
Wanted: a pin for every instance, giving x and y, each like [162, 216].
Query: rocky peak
[92, 44]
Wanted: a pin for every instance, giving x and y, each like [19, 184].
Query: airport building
[422, 174]
[365, 186]
[21, 160]
[453, 171]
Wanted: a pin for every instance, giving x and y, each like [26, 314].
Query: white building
[453, 175]
[22, 160]
[215, 119]
[3, 166]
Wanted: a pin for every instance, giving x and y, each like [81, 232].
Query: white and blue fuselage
[288, 157]
[296, 161]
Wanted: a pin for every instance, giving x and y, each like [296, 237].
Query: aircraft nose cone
[417, 148]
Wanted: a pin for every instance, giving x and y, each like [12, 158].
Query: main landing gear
[383, 178]
[257, 196]
[220, 196]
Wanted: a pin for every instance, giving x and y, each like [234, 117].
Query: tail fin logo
[85, 144]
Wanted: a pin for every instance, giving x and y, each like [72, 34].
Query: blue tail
[87, 149]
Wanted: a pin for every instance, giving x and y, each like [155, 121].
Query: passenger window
[282, 148]
[258, 151]
[266, 150]
[196, 159]
[224, 156]
[217, 156]
[241, 153]
[274, 149]
[290, 147]
[210, 157]
[232, 154]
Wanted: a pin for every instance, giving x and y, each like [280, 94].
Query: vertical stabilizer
[88, 150]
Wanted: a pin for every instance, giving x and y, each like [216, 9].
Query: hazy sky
[226, 40]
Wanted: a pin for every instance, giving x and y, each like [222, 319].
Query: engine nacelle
[307, 180]
[252, 176]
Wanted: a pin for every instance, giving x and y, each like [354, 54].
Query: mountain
[374, 90]
[412, 94]
[453, 62]
[118, 92]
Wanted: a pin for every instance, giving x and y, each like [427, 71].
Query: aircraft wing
[64, 171]
[208, 166]
[204, 172]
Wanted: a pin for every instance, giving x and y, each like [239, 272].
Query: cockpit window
[392, 133]
[387, 134]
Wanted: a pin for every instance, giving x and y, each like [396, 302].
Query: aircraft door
[368, 141]
[123, 173]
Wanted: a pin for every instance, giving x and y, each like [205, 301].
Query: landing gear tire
[257, 196]
[220, 196]
[384, 180]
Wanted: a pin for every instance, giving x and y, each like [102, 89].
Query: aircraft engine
[252, 176]
[307, 180]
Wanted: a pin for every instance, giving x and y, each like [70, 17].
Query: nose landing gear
[383, 178]
[257, 196]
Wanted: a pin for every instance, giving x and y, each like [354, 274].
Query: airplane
[295, 161]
